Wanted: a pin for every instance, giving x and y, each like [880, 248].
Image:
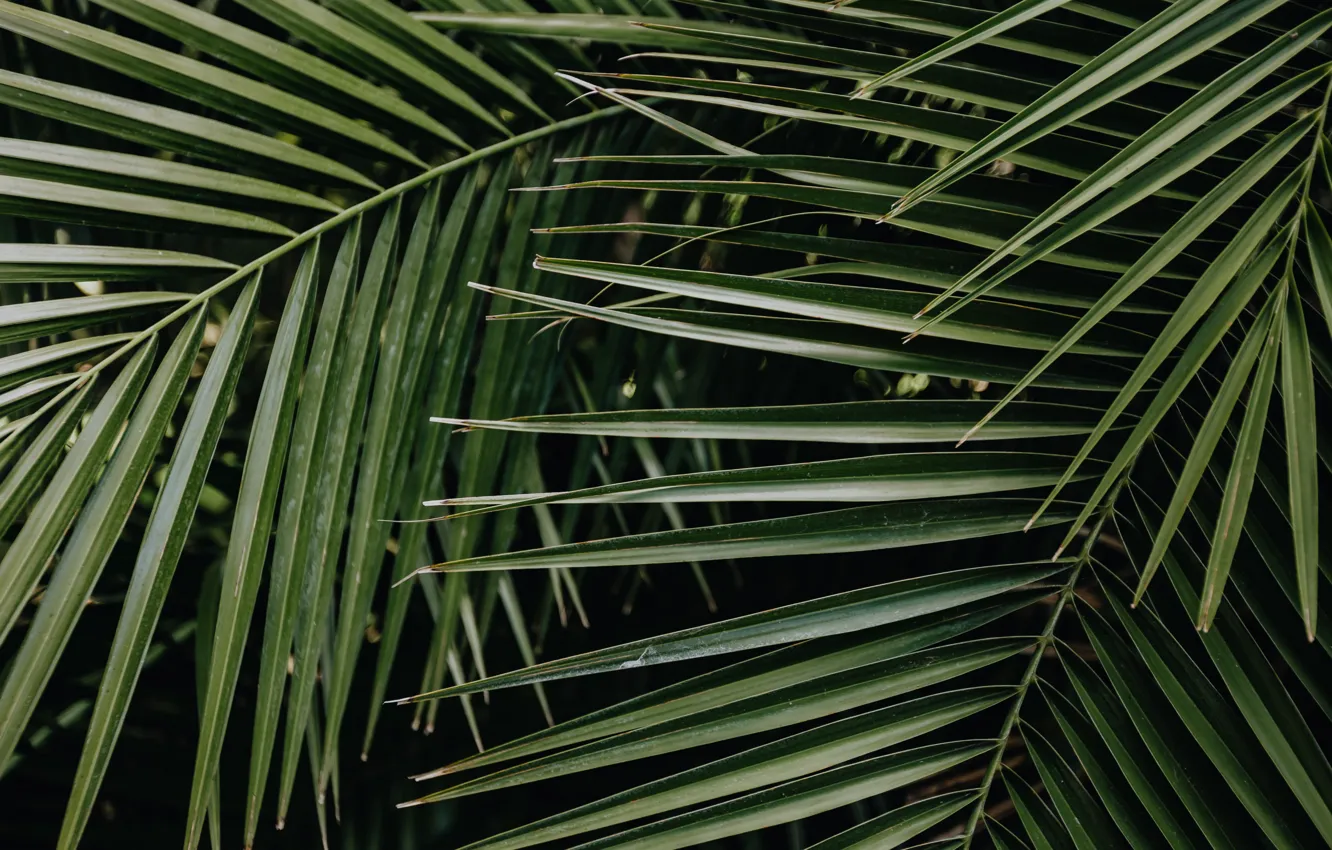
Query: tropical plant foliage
[1077, 254]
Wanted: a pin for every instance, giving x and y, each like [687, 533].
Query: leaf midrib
[347, 214]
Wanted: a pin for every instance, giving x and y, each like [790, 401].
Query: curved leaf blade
[63, 497]
[155, 564]
[249, 536]
[95, 532]
[831, 615]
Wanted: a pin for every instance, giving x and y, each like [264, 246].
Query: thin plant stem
[1029, 675]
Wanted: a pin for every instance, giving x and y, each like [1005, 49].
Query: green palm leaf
[1101, 227]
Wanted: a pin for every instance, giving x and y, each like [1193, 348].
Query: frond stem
[317, 230]
[1029, 675]
[1319, 126]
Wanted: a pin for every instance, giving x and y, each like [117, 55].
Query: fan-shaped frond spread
[304, 299]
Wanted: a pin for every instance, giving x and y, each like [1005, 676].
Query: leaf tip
[429, 774]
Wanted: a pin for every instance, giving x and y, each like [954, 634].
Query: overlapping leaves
[1168, 164]
[1160, 262]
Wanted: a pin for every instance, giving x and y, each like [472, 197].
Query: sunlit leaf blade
[376, 495]
[1002, 836]
[788, 758]
[873, 307]
[1270, 593]
[1301, 418]
[144, 175]
[1152, 758]
[14, 437]
[1217, 727]
[777, 669]
[904, 421]
[163, 127]
[1265, 703]
[498, 374]
[1024, 10]
[929, 266]
[280, 63]
[253, 521]
[1215, 323]
[1319, 244]
[1243, 467]
[342, 424]
[831, 615]
[1145, 179]
[497, 394]
[472, 631]
[1135, 172]
[60, 315]
[1158, 186]
[23, 366]
[210, 590]
[77, 204]
[22, 262]
[1045, 38]
[1126, 799]
[63, 498]
[1256, 340]
[36, 393]
[1082, 815]
[1041, 825]
[887, 526]
[849, 345]
[425, 473]
[292, 549]
[518, 626]
[419, 39]
[966, 218]
[313, 736]
[1176, 34]
[366, 52]
[456, 673]
[873, 478]
[445, 610]
[982, 192]
[95, 532]
[974, 84]
[1066, 156]
[193, 79]
[896, 827]
[795, 800]
[156, 561]
[815, 698]
[39, 457]
[616, 29]
[1190, 225]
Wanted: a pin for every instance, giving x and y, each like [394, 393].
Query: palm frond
[1090, 234]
